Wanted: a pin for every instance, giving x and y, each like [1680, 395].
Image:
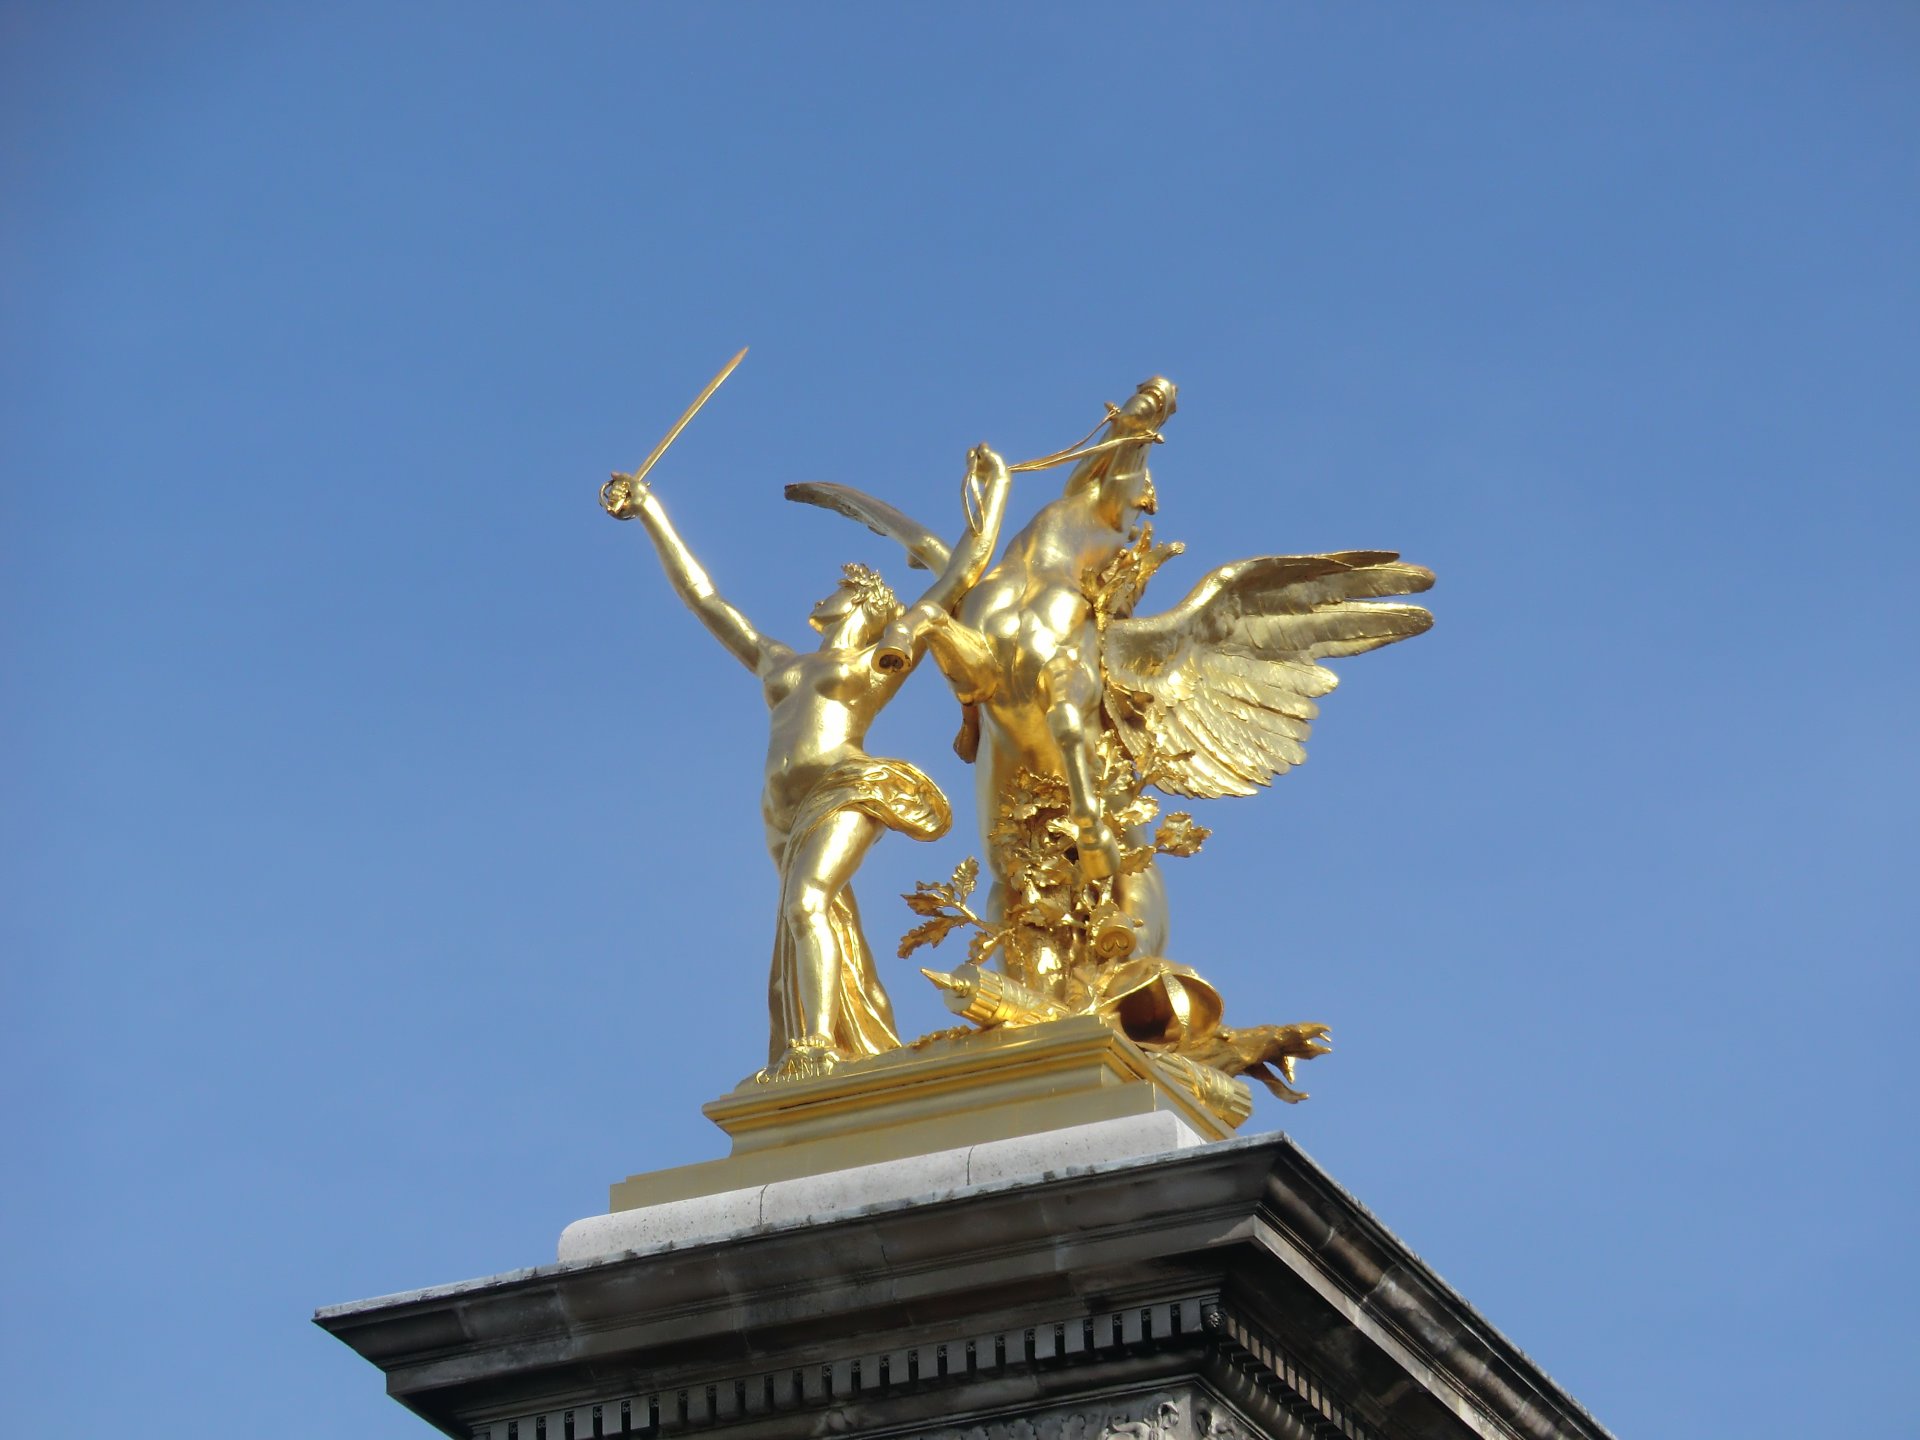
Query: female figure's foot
[807, 1057]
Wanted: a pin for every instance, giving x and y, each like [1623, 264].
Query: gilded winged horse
[1213, 697]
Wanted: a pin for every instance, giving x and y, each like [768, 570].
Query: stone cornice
[1288, 1267]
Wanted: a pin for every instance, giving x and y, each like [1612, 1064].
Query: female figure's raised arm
[625, 500]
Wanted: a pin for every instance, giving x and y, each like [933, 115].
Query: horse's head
[1118, 479]
[1150, 407]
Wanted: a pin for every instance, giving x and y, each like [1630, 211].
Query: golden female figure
[826, 800]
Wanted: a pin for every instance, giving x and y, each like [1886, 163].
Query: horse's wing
[1215, 696]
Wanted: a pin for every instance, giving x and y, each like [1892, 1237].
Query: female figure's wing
[1216, 696]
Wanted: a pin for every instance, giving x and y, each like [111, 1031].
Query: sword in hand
[624, 494]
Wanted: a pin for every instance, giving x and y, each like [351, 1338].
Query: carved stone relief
[1160, 1416]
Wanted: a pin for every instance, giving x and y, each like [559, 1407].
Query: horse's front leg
[965, 656]
[1072, 689]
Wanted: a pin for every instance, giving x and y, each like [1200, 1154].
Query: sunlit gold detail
[1219, 1092]
[987, 997]
[868, 589]
[1075, 707]
[939, 1093]
[706, 393]
[825, 800]
[1082, 451]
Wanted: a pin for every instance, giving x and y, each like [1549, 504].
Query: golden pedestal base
[940, 1093]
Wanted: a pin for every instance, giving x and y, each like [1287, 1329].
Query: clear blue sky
[367, 912]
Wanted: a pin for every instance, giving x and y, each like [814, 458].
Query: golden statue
[1076, 706]
[826, 800]
[1073, 707]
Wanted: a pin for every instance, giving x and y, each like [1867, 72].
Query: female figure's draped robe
[902, 798]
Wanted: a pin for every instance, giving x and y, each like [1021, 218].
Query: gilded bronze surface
[940, 1092]
[825, 800]
[1074, 707]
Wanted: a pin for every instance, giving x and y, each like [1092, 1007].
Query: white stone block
[678, 1222]
[816, 1197]
[1130, 1137]
[839, 1192]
